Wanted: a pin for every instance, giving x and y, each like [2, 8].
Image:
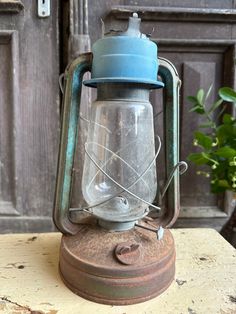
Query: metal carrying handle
[170, 78]
[69, 129]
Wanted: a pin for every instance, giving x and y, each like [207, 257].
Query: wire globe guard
[130, 217]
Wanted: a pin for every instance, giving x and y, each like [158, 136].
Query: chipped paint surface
[204, 260]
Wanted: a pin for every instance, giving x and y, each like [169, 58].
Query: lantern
[119, 256]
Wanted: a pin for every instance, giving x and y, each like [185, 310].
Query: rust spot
[32, 239]
[180, 282]
[203, 259]
[20, 266]
[14, 265]
[46, 303]
[232, 298]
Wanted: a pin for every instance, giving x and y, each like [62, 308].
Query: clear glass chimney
[120, 147]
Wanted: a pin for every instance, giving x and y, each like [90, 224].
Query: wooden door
[29, 115]
[199, 37]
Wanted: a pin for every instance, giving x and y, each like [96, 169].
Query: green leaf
[227, 119]
[207, 125]
[192, 99]
[226, 133]
[220, 186]
[203, 140]
[224, 130]
[199, 109]
[197, 158]
[194, 108]
[217, 189]
[215, 105]
[223, 183]
[200, 95]
[226, 152]
[227, 94]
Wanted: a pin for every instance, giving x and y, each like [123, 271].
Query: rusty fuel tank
[117, 268]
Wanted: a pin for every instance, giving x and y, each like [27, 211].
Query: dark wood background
[197, 36]
[29, 115]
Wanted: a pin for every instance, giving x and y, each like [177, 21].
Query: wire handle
[184, 166]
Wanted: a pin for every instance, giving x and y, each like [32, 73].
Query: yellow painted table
[205, 281]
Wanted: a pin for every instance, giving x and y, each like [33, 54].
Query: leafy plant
[216, 142]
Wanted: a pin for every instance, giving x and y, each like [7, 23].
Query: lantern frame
[69, 137]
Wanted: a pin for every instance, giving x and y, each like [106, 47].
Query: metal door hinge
[43, 8]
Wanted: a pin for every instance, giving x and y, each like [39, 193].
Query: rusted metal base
[117, 268]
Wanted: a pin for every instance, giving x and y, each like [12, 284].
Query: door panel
[8, 81]
[199, 38]
[29, 115]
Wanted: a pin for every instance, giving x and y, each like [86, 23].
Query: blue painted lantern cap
[129, 57]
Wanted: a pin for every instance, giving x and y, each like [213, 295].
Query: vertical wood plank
[30, 119]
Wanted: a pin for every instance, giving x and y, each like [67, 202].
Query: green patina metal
[170, 77]
[68, 140]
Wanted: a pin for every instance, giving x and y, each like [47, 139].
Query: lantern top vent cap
[125, 57]
[133, 29]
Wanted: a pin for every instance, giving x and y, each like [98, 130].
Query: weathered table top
[205, 278]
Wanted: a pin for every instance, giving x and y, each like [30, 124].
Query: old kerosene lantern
[119, 256]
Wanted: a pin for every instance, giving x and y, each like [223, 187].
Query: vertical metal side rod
[172, 82]
[68, 140]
